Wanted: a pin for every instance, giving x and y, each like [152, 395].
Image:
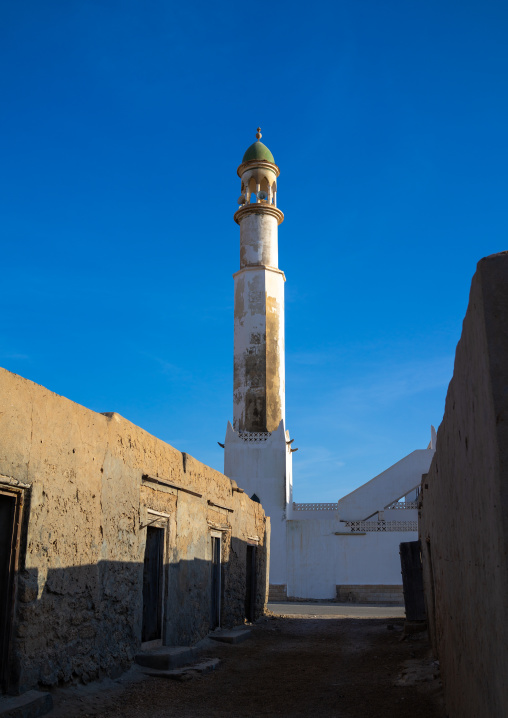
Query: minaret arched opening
[265, 189]
[252, 191]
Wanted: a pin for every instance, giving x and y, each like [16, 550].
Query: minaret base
[261, 464]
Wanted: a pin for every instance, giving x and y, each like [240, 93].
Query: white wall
[318, 560]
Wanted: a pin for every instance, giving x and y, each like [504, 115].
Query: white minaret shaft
[257, 449]
[258, 394]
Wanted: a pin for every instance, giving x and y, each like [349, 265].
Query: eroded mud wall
[464, 517]
[79, 587]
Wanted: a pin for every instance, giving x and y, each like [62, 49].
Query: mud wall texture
[92, 484]
[464, 514]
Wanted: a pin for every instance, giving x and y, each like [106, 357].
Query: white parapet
[386, 488]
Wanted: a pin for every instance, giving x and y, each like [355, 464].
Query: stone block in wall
[277, 592]
[382, 594]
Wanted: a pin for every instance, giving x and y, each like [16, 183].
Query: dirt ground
[292, 666]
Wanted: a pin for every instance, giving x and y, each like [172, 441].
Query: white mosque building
[347, 550]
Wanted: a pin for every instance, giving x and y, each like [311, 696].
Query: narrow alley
[292, 666]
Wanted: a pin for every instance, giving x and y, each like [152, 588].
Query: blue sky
[122, 124]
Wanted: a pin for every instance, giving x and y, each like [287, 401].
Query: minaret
[258, 396]
[257, 451]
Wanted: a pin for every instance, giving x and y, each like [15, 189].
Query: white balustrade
[363, 526]
[403, 505]
[315, 507]
[254, 435]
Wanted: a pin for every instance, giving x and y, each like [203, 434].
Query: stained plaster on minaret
[259, 299]
[274, 380]
[257, 450]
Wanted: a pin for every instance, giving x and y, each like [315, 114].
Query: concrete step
[31, 704]
[166, 658]
[233, 635]
[186, 673]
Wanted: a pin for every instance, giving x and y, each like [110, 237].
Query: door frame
[214, 534]
[18, 494]
[158, 520]
[251, 579]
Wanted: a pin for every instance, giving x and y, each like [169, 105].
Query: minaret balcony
[258, 208]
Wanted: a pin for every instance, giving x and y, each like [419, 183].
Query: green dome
[258, 151]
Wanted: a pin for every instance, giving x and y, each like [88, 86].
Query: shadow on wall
[463, 520]
[83, 623]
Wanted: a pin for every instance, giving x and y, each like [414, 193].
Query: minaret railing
[254, 435]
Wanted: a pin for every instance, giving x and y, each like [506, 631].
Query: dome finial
[258, 151]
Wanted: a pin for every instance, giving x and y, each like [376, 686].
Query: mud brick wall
[79, 584]
[464, 514]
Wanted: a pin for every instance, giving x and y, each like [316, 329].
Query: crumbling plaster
[78, 605]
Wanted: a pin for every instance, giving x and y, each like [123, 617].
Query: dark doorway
[412, 580]
[8, 540]
[216, 584]
[153, 584]
[250, 585]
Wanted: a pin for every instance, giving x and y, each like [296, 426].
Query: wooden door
[153, 584]
[412, 580]
[8, 506]
[250, 583]
[215, 584]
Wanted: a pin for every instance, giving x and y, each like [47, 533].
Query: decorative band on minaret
[259, 392]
